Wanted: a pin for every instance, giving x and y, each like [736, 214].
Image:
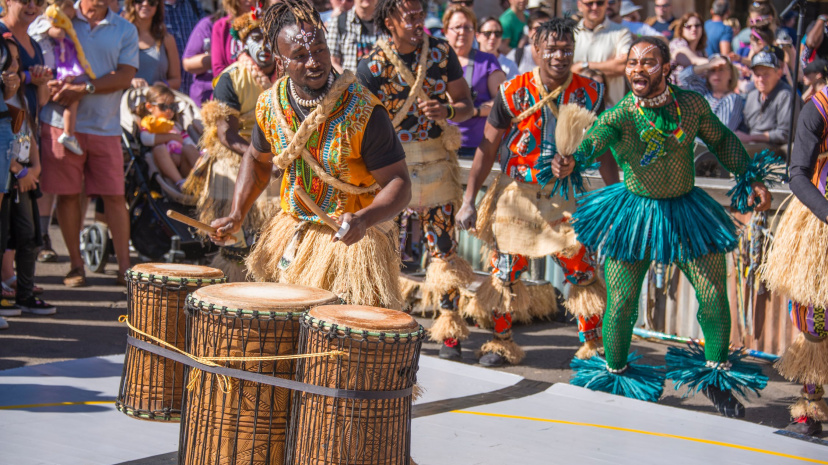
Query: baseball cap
[627, 7]
[819, 65]
[765, 58]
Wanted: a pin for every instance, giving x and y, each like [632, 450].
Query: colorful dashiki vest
[336, 145]
[394, 91]
[821, 169]
[535, 135]
[248, 91]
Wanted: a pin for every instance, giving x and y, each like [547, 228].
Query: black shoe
[725, 402]
[36, 306]
[805, 426]
[450, 350]
[47, 253]
[492, 359]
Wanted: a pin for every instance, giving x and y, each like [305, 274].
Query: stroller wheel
[95, 247]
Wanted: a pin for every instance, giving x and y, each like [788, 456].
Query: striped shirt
[728, 108]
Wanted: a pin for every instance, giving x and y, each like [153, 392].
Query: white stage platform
[62, 413]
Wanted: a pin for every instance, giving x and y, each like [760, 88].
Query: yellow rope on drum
[225, 382]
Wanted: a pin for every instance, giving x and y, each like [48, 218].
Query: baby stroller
[149, 195]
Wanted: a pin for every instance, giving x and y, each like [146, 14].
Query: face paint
[306, 39]
[258, 50]
[550, 54]
[413, 21]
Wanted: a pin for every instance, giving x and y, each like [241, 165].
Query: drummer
[335, 141]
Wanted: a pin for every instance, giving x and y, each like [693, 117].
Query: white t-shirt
[508, 66]
[608, 40]
[22, 145]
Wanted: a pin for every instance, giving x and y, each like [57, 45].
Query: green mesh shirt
[671, 174]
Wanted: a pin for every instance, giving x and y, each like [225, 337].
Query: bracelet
[476, 112]
[27, 77]
[22, 173]
[823, 18]
[450, 110]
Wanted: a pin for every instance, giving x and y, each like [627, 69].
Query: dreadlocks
[287, 13]
[386, 8]
[555, 27]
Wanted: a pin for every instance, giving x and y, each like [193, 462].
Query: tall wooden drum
[152, 386]
[246, 424]
[383, 350]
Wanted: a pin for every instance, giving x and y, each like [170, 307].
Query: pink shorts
[100, 169]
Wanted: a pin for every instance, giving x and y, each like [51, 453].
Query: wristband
[450, 110]
[27, 77]
[22, 173]
[823, 18]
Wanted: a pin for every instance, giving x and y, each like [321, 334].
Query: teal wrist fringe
[765, 167]
[561, 186]
[642, 382]
[689, 367]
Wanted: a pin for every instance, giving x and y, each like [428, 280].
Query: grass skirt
[797, 261]
[626, 226]
[366, 273]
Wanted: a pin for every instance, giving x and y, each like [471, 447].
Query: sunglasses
[149, 2]
[598, 3]
[489, 34]
[692, 26]
[165, 106]
[467, 3]
[666, 5]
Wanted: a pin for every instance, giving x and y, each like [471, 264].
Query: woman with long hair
[688, 45]
[224, 48]
[159, 60]
[481, 70]
[717, 81]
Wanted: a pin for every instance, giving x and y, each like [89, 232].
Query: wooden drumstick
[174, 215]
[305, 198]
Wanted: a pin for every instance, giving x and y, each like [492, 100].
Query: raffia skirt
[435, 174]
[522, 218]
[299, 252]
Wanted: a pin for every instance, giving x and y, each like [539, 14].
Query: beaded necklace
[655, 137]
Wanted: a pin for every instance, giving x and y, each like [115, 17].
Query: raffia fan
[573, 122]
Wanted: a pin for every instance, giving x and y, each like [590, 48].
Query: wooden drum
[152, 386]
[248, 423]
[383, 350]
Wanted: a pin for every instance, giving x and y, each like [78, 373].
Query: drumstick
[305, 198]
[174, 215]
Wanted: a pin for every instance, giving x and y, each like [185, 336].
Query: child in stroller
[173, 151]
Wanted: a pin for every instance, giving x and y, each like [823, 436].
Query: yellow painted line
[648, 433]
[56, 404]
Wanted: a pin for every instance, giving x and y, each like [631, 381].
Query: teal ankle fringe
[642, 382]
[764, 167]
[626, 226]
[689, 367]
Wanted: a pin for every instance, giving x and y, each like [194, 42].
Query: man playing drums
[412, 60]
[518, 132]
[315, 125]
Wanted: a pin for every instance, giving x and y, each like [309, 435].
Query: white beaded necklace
[655, 101]
[314, 102]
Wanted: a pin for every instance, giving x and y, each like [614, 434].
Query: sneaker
[71, 143]
[75, 278]
[7, 308]
[725, 402]
[36, 306]
[47, 253]
[450, 350]
[805, 426]
[3, 323]
[492, 359]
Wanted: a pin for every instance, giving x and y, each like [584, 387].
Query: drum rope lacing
[225, 383]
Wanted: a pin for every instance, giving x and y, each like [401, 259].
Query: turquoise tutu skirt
[625, 226]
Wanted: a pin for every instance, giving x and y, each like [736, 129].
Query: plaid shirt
[180, 19]
[353, 43]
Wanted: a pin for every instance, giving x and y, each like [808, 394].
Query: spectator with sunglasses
[513, 20]
[760, 14]
[481, 71]
[489, 38]
[158, 59]
[111, 46]
[689, 45]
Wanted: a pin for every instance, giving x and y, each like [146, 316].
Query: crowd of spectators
[745, 73]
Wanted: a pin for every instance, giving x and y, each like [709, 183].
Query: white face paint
[413, 21]
[258, 50]
[306, 39]
[639, 53]
[548, 55]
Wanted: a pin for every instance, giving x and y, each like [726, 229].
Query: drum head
[359, 317]
[177, 270]
[263, 297]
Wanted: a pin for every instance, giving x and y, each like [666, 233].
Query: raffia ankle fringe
[507, 348]
[449, 325]
[805, 361]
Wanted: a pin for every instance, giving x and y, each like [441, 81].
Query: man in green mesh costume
[657, 214]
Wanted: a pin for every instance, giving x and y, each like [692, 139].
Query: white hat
[627, 7]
